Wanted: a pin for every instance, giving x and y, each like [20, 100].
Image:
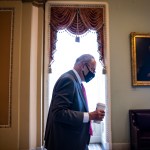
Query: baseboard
[39, 148]
[121, 146]
[106, 146]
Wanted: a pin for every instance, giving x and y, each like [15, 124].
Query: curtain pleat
[77, 21]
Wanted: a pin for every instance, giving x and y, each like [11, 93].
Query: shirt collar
[77, 75]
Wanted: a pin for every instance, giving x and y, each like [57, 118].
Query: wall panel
[6, 34]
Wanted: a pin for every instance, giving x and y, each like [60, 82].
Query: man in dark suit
[68, 123]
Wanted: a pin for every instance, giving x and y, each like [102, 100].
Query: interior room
[25, 61]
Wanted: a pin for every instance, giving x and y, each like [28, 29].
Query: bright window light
[64, 58]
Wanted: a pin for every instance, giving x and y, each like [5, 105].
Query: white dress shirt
[86, 115]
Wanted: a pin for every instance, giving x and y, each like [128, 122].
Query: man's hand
[97, 115]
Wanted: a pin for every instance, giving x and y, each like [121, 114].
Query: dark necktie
[84, 93]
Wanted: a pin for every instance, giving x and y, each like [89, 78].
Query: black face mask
[90, 75]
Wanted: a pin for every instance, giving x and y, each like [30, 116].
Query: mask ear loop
[84, 64]
[87, 67]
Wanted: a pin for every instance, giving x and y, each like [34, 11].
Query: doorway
[106, 127]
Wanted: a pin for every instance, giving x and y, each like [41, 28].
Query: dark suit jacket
[65, 129]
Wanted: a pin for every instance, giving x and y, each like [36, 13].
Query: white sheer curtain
[67, 52]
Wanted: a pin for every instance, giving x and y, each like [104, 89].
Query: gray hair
[85, 58]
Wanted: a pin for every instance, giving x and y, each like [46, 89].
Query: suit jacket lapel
[80, 90]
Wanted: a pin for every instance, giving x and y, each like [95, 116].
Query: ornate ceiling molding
[38, 3]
